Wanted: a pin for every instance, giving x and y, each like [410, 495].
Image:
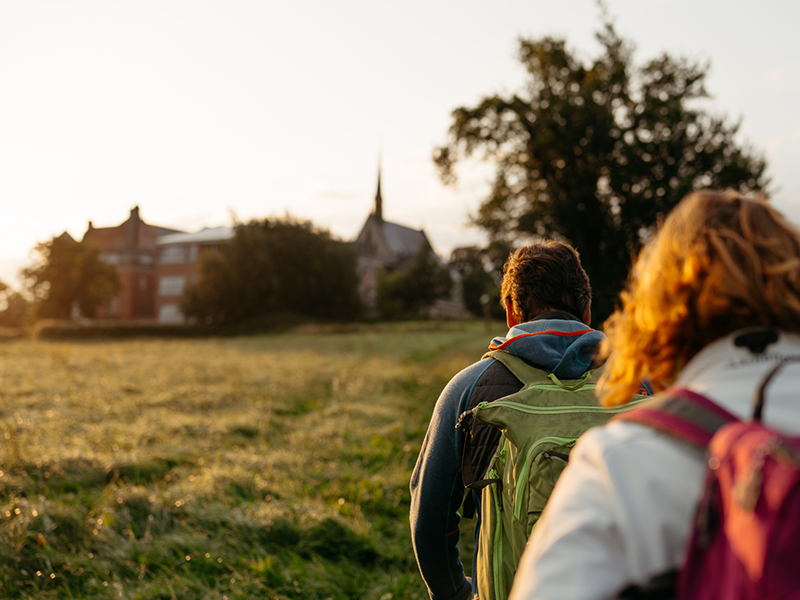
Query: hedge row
[62, 331]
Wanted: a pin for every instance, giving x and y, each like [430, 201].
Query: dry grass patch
[273, 466]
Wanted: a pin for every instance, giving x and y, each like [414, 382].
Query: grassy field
[269, 467]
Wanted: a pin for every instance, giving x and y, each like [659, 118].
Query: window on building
[172, 255]
[146, 259]
[171, 286]
[142, 283]
[170, 313]
[113, 307]
[112, 258]
[192, 253]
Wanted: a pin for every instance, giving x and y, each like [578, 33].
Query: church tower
[377, 209]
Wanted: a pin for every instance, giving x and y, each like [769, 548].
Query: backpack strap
[681, 413]
[467, 474]
[758, 404]
[530, 375]
[526, 373]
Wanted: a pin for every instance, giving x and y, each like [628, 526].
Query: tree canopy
[70, 273]
[275, 266]
[406, 294]
[595, 153]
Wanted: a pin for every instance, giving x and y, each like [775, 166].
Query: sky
[201, 112]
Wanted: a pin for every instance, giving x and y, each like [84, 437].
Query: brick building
[132, 248]
[178, 260]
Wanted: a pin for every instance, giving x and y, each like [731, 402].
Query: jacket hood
[565, 348]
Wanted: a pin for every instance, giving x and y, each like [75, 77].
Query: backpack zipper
[548, 454]
[522, 480]
[551, 387]
[540, 410]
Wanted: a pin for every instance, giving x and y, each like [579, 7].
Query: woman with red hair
[713, 304]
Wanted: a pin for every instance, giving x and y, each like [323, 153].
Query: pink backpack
[745, 540]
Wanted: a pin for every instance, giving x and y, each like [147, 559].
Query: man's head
[543, 277]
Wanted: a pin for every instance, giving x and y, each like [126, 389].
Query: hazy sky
[198, 110]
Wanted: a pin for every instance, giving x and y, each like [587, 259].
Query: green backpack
[540, 425]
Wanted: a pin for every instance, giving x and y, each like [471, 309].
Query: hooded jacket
[556, 342]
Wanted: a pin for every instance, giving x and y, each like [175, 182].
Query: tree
[480, 281]
[595, 154]
[275, 266]
[68, 274]
[404, 294]
[17, 307]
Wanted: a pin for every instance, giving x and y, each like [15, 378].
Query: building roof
[133, 233]
[108, 238]
[389, 243]
[403, 240]
[163, 230]
[205, 235]
[66, 236]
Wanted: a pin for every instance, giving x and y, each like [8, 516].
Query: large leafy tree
[69, 274]
[276, 267]
[595, 153]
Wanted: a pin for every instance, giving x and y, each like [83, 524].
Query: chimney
[133, 228]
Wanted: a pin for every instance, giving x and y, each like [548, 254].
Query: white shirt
[622, 510]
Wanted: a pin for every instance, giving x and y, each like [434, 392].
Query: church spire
[377, 210]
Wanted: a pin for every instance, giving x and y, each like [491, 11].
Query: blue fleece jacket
[563, 346]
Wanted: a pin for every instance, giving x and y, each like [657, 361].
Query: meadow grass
[269, 466]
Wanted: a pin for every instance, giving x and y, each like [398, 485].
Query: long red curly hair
[720, 262]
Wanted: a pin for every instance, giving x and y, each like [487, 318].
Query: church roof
[403, 240]
[389, 243]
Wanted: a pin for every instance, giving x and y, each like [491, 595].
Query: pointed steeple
[377, 209]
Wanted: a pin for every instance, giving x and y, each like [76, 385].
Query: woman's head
[720, 262]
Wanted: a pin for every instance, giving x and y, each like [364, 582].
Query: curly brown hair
[545, 276]
[720, 262]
